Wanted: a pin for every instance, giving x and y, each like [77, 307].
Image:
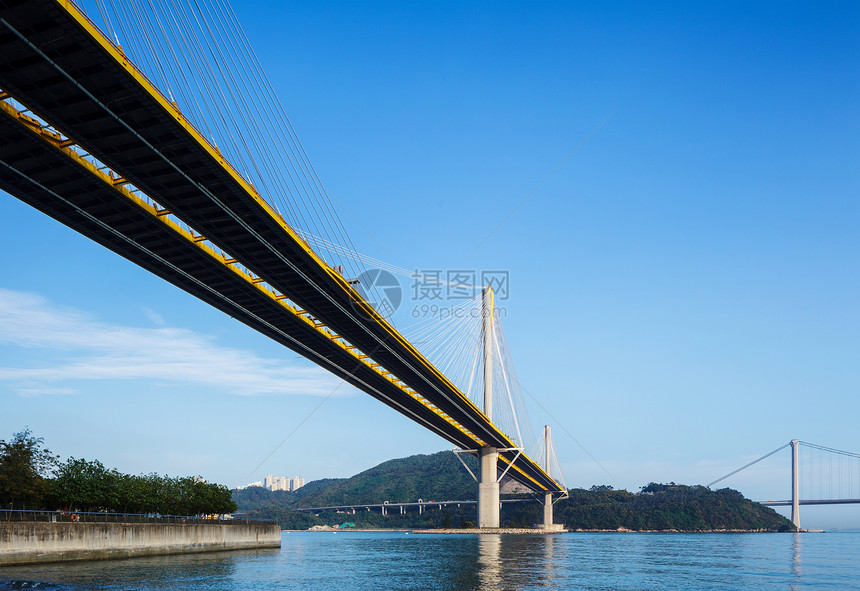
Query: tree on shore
[24, 466]
[88, 486]
[84, 485]
[33, 478]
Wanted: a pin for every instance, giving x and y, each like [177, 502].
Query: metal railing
[26, 515]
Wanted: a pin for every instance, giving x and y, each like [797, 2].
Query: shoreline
[538, 531]
[518, 531]
[329, 529]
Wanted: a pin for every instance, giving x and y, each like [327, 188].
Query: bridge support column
[488, 484]
[488, 488]
[547, 498]
[795, 477]
[547, 510]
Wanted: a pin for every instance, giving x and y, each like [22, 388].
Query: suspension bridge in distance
[825, 476]
[87, 138]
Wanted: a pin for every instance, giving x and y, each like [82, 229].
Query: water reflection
[490, 562]
[156, 572]
[517, 562]
[549, 566]
[406, 562]
[795, 562]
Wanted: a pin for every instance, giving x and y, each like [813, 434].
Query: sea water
[346, 561]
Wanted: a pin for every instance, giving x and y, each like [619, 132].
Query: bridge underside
[57, 64]
[811, 502]
[36, 169]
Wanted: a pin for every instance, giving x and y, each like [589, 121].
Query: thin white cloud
[155, 317]
[87, 349]
[36, 391]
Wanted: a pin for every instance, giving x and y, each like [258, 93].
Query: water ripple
[355, 561]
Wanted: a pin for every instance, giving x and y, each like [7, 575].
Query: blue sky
[683, 288]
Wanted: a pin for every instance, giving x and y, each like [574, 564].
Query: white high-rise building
[274, 483]
[258, 483]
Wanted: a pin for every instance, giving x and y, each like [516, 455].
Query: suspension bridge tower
[488, 485]
[795, 477]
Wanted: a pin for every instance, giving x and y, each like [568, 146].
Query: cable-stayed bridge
[819, 476]
[157, 149]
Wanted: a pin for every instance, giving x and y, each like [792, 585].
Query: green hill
[255, 497]
[441, 477]
[666, 507]
[438, 476]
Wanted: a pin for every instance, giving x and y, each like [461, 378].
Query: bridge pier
[547, 511]
[548, 524]
[488, 488]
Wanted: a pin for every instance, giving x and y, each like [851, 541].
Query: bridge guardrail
[27, 515]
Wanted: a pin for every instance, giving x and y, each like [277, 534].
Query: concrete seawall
[27, 543]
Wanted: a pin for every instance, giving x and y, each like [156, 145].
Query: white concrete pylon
[547, 510]
[488, 488]
[547, 498]
[487, 330]
[488, 457]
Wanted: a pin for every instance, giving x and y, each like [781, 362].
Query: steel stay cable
[830, 449]
[150, 56]
[520, 408]
[271, 99]
[453, 349]
[236, 218]
[212, 83]
[181, 81]
[106, 19]
[272, 141]
[188, 56]
[223, 32]
[241, 222]
[368, 260]
[203, 189]
[767, 455]
[235, 57]
[462, 346]
[450, 335]
[261, 146]
[563, 428]
[474, 371]
[224, 298]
